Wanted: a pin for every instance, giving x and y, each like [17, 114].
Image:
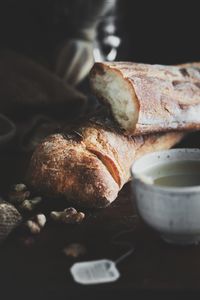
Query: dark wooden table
[41, 271]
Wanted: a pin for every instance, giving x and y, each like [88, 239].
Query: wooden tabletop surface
[41, 270]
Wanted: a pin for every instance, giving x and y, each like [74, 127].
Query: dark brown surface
[42, 271]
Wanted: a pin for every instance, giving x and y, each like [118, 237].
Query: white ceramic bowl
[173, 211]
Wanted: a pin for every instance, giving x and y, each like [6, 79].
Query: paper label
[95, 272]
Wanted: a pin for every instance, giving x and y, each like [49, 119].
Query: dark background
[165, 32]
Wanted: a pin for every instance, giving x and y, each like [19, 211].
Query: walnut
[36, 223]
[74, 250]
[69, 216]
[18, 196]
[30, 204]
[19, 187]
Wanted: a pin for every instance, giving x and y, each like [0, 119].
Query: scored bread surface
[90, 166]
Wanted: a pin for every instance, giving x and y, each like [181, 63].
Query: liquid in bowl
[166, 185]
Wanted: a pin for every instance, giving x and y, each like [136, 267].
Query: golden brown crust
[92, 164]
[167, 97]
[60, 167]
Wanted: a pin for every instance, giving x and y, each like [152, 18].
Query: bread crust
[90, 165]
[167, 97]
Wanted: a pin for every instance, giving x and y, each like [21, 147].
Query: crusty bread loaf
[149, 98]
[90, 165]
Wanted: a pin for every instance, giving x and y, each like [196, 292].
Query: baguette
[149, 98]
[90, 165]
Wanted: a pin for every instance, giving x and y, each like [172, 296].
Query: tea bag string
[115, 241]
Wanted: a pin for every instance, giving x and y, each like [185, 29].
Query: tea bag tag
[95, 272]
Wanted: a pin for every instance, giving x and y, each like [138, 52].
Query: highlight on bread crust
[149, 98]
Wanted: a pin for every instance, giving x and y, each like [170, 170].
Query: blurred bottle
[91, 37]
